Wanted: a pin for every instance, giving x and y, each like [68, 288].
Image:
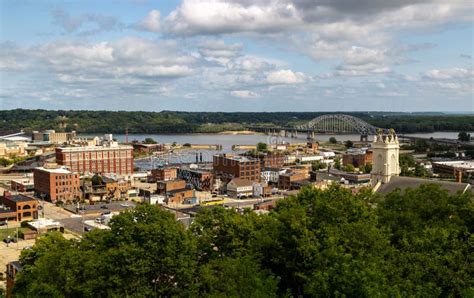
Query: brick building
[359, 159]
[56, 183]
[116, 159]
[272, 160]
[18, 207]
[231, 166]
[288, 179]
[175, 191]
[200, 179]
[22, 185]
[12, 270]
[164, 174]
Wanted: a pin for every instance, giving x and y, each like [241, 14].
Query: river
[228, 140]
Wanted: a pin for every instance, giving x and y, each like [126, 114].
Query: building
[352, 178]
[18, 208]
[53, 137]
[271, 160]
[239, 188]
[12, 270]
[175, 191]
[270, 175]
[164, 174]
[231, 166]
[111, 158]
[358, 159]
[201, 179]
[287, 179]
[385, 148]
[56, 183]
[463, 166]
[141, 148]
[22, 185]
[12, 148]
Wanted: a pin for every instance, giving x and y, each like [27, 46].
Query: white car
[125, 205]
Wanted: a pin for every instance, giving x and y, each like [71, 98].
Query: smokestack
[458, 175]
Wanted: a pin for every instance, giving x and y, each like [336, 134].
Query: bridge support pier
[310, 135]
[364, 138]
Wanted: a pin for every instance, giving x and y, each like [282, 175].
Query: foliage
[337, 163]
[262, 147]
[367, 168]
[464, 136]
[149, 141]
[97, 180]
[318, 165]
[316, 244]
[332, 140]
[349, 168]
[5, 162]
[349, 144]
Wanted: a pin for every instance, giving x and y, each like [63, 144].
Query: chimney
[458, 175]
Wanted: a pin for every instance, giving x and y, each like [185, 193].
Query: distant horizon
[289, 111]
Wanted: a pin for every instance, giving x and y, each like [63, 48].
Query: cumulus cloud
[243, 94]
[286, 76]
[151, 22]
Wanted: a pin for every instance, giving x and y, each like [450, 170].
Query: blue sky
[240, 55]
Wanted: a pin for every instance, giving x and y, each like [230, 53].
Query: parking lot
[99, 208]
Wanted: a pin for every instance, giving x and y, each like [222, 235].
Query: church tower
[385, 148]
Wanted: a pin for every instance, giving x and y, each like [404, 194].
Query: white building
[270, 175]
[239, 187]
[386, 150]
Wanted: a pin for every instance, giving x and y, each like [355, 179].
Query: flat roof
[95, 148]
[462, 164]
[20, 198]
[59, 170]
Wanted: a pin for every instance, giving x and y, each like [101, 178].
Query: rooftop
[462, 164]
[20, 198]
[241, 182]
[403, 183]
[58, 170]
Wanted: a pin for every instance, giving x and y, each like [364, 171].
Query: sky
[239, 55]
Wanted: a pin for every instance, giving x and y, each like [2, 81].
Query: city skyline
[237, 55]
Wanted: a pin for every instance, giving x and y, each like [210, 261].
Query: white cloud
[286, 76]
[89, 22]
[151, 22]
[450, 73]
[243, 94]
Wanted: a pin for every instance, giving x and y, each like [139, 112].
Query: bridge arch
[338, 123]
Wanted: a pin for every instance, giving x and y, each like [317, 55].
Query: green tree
[149, 141]
[349, 168]
[337, 163]
[464, 136]
[332, 140]
[367, 168]
[318, 165]
[349, 144]
[97, 180]
[262, 147]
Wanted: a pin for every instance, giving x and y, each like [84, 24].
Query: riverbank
[239, 132]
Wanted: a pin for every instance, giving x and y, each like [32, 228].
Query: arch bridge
[330, 123]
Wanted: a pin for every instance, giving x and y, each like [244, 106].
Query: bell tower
[386, 150]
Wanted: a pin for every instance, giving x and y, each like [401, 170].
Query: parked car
[99, 220]
[104, 207]
[87, 229]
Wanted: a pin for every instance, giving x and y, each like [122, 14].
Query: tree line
[316, 244]
[189, 122]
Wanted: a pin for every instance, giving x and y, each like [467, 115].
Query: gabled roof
[403, 183]
[239, 182]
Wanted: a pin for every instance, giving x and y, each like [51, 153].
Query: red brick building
[200, 179]
[164, 174]
[231, 166]
[272, 160]
[56, 183]
[175, 191]
[357, 159]
[97, 159]
[18, 207]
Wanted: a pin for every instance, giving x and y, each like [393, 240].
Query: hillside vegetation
[188, 122]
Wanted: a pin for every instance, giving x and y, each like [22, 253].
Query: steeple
[386, 150]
